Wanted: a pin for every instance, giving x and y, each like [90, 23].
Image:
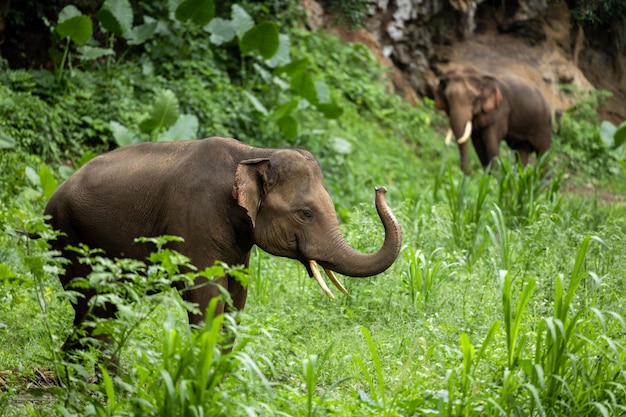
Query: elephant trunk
[347, 261]
[461, 124]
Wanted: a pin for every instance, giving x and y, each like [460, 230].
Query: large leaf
[6, 141]
[221, 30]
[121, 134]
[607, 133]
[186, 127]
[285, 109]
[116, 16]
[199, 12]
[340, 145]
[67, 13]
[89, 53]
[321, 89]
[303, 85]
[141, 33]
[256, 103]
[330, 110]
[620, 135]
[288, 126]
[241, 20]
[262, 38]
[293, 67]
[281, 57]
[47, 181]
[72, 24]
[164, 113]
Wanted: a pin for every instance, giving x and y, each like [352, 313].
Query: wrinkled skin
[222, 197]
[500, 106]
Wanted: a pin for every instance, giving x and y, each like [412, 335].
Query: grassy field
[507, 297]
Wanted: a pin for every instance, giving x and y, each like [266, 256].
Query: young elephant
[490, 108]
[222, 197]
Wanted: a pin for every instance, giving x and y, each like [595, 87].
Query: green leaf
[78, 28]
[285, 109]
[302, 84]
[281, 57]
[340, 145]
[288, 126]
[116, 16]
[32, 176]
[620, 135]
[68, 12]
[86, 157]
[6, 141]
[47, 180]
[221, 30]
[256, 103]
[321, 89]
[199, 12]
[121, 134]
[330, 110]
[141, 33]
[293, 67]
[262, 38]
[607, 133]
[89, 53]
[241, 20]
[186, 127]
[164, 113]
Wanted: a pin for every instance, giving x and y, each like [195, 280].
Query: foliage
[579, 137]
[597, 13]
[347, 12]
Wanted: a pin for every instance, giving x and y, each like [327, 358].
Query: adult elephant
[489, 108]
[222, 197]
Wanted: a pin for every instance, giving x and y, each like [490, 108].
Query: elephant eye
[306, 213]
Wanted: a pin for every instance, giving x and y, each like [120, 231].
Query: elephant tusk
[466, 134]
[319, 279]
[449, 137]
[335, 281]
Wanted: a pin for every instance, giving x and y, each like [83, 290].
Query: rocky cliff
[537, 39]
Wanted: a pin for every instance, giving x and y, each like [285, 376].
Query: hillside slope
[538, 40]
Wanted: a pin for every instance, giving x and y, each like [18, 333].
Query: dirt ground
[550, 62]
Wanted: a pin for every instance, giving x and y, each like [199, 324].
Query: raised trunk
[345, 260]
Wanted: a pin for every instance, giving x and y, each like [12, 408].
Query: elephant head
[292, 215]
[467, 96]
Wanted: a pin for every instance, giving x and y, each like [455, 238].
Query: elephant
[490, 107]
[222, 197]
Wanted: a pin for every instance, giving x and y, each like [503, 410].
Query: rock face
[420, 39]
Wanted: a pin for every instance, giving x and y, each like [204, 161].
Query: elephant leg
[82, 334]
[464, 159]
[523, 155]
[481, 150]
[542, 141]
[492, 149]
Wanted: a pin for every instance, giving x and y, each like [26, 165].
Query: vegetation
[505, 300]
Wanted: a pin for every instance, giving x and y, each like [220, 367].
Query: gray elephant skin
[222, 196]
[490, 107]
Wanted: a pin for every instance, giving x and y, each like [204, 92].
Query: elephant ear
[440, 103]
[249, 187]
[491, 96]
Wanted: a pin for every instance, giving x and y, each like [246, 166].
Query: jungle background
[507, 297]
